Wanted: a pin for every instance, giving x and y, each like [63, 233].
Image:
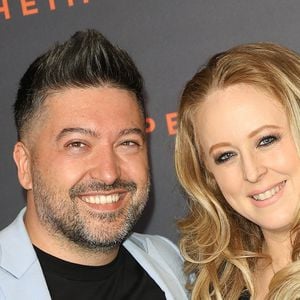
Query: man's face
[88, 166]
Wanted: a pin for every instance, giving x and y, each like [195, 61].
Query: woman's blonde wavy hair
[221, 248]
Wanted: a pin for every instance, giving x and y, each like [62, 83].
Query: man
[81, 156]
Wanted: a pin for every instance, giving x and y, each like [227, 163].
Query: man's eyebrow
[137, 131]
[84, 131]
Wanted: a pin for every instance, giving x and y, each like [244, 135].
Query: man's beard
[58, 210]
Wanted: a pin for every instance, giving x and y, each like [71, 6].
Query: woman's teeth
[269, 193]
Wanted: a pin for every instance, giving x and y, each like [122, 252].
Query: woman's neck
[279, 248]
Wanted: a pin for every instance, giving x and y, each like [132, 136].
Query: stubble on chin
[60, 213]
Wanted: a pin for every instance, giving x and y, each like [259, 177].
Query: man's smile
[101, 199]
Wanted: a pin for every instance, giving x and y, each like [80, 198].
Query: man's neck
[56, 245]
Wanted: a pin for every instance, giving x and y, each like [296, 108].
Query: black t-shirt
[245, 295]
[123, 279]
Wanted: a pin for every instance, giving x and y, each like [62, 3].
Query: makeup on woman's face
[248, 146]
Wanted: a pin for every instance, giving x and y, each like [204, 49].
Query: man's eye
[224, 157]
[130, 143]
[267, 140]
[76, 145]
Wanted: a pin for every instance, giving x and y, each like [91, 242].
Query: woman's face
[248, 147]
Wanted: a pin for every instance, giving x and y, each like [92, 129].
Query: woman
[237, 158]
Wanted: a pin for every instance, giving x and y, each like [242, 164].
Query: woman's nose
[253, 168]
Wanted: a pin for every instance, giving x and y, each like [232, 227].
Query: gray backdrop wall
[168, 39]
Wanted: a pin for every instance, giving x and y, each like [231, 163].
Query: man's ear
[22, 159]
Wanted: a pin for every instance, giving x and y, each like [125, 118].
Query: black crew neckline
[79, 272]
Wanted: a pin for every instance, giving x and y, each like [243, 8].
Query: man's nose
[106, 166]
[253, 168]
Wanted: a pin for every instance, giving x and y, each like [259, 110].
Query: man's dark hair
[87, 59]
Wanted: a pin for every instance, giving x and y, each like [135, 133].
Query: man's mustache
[97, 186]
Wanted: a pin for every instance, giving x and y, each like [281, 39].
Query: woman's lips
[268, 193]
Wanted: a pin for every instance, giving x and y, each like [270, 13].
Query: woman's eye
[224, 157]
[267, 140]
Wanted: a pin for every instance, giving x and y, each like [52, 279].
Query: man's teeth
[101, 199]
[269, 193]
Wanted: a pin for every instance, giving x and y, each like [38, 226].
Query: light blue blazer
[21, 276]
